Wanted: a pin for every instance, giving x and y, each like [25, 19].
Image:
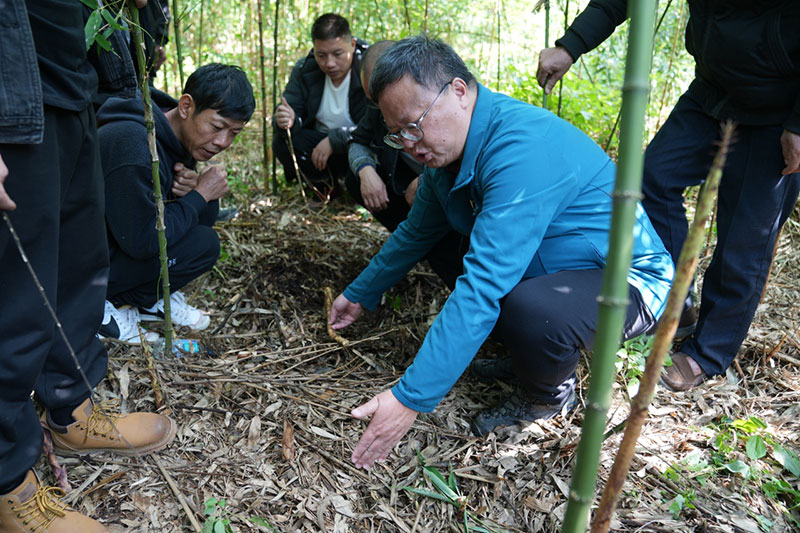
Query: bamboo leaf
[440, 483]
[427, 493]
[92, 27]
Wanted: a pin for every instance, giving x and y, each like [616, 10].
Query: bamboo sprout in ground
[614, 295]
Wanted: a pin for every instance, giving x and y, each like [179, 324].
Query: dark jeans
[446, 258]
[138, 283]
[58, 188]
[754, 202]
[304, 140]
[545, 322]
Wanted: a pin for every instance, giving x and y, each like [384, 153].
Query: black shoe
[516, 409]
[687, 322]
[489, 370]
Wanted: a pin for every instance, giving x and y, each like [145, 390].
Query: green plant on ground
[631, 359]
[447, 491]
[218, 517]
[746, 448]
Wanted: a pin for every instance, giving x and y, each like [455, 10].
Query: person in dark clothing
[747, 56]
[321, 104]
[384, 179]
[51, 186]
[154, 19]
[214, 107]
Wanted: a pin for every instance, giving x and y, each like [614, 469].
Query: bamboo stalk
[561, 81]
[176, 27]
[614, 296]
[687, 264]
[138, 41]
[265, 161]
[546, 41]
[200, 33]
[275, 86]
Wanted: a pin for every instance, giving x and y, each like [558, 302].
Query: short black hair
[430, 62]
[223, 88]
[330, 26]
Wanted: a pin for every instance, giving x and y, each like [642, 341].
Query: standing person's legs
[545, 322]
[754, 202]
[679, 156]
[47, 182]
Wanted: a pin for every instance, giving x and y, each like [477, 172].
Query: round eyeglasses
[411, 132]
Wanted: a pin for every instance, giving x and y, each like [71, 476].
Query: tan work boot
[31, 507]
[93, 431]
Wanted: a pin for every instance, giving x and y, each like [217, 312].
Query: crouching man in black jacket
[214, 107]
[747, 55]
[321, 105]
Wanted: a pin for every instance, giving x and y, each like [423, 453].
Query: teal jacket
[534, 195]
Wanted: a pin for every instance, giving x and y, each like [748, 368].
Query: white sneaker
[182, 313]
[123, 324]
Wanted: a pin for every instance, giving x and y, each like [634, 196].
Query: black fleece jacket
[130, 203]
[304, 94]
[747, 55]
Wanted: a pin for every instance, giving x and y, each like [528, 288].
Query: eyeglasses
[413, 130]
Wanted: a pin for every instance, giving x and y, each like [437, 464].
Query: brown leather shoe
[32, 507]
[92, 431]
[684, 374]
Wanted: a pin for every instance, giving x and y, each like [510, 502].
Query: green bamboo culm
[546, 41]
[613, 300]
[684, 274]
[138, 41]
[264, 138]
[176, 27]
[275, 87]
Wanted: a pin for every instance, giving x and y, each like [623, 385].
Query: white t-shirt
[334, 109]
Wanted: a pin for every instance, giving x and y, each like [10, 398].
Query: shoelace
[43, 507]
[99, 423]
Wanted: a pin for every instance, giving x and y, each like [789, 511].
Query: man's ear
[352, 44]
[461, 89]
[186, 106]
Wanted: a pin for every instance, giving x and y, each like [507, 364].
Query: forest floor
[263, 420]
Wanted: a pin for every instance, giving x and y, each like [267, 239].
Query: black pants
[754, 202]
[545, 322]
[58, 188]
[138, 283]
[446, 258]
[304, 141]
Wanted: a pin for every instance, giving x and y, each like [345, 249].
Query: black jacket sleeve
[593, 26]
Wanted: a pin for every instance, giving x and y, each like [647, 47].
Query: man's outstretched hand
[344, 312]
[391, 420]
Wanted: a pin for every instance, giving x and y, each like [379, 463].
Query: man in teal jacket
[534, 195]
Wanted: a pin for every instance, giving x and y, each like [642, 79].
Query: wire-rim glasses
[412, 131]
